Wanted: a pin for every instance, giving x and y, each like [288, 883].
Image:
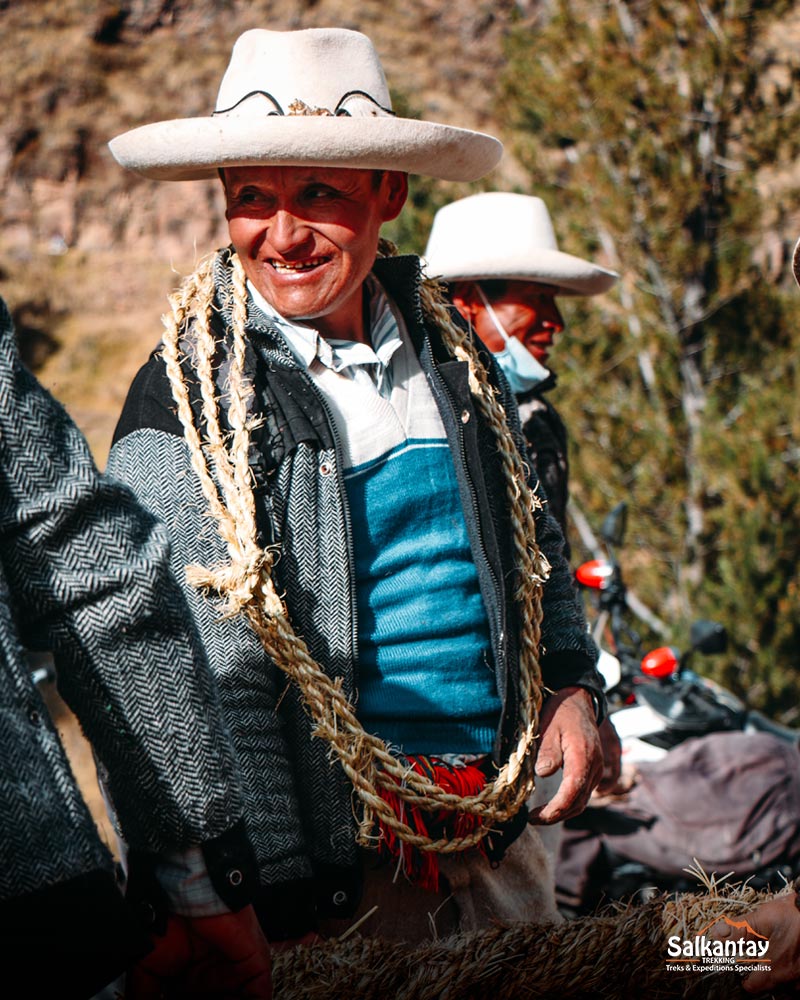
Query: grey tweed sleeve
[157, 466]
[89, 576]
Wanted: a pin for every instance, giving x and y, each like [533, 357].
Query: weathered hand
[224, 957]
[612, 757]
[570, 741]
[779, 920]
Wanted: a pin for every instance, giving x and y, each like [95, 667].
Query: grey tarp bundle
[729, 800]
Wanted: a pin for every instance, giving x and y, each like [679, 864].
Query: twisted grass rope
[221, 462]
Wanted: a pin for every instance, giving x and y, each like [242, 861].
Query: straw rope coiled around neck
[221, 463]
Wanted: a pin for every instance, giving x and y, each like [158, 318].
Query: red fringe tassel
[422, 867]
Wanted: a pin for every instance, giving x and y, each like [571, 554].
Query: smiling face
[307, 237]
[527, 310]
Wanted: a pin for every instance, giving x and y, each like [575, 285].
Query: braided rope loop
[221, 462]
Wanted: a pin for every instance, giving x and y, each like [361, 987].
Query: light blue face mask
[520, 367]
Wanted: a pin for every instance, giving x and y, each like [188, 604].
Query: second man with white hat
[498, 252]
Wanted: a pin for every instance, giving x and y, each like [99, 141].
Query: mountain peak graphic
[739, 925]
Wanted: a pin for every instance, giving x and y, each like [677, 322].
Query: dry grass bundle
[619, 953]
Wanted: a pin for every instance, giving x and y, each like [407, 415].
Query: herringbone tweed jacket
[547, 443]
[299, 811]
[84, 572]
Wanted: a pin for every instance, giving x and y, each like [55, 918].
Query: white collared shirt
[365, 364]
[377, 393]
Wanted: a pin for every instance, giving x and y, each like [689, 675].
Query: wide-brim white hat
[498, 234]
[316, 97]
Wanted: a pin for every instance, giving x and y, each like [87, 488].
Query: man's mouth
[542, 344]
[295, 267]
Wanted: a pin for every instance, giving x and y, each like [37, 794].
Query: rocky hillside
[88, 252]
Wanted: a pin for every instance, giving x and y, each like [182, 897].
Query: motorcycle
[712, 781]
[656, 700]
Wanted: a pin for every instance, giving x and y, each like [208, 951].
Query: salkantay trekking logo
[745, 953]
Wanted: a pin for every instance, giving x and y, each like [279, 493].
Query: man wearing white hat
[329, 453]
[499, 253]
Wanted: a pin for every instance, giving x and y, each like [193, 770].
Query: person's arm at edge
[90, 575]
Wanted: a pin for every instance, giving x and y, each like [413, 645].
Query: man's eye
[319, 193]
[248, 198]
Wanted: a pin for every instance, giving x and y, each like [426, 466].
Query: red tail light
[594, 574]
[661, 662]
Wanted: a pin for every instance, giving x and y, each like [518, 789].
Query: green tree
[649, 127]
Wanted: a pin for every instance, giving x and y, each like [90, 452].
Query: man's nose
[286, 232]
[551, 318]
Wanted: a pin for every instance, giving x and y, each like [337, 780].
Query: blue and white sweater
[426, 677]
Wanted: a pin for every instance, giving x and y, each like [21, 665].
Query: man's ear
[395, 187]
[221, 175]
[465, 298]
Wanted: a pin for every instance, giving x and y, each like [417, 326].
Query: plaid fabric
[184, 877]
[369, 365]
